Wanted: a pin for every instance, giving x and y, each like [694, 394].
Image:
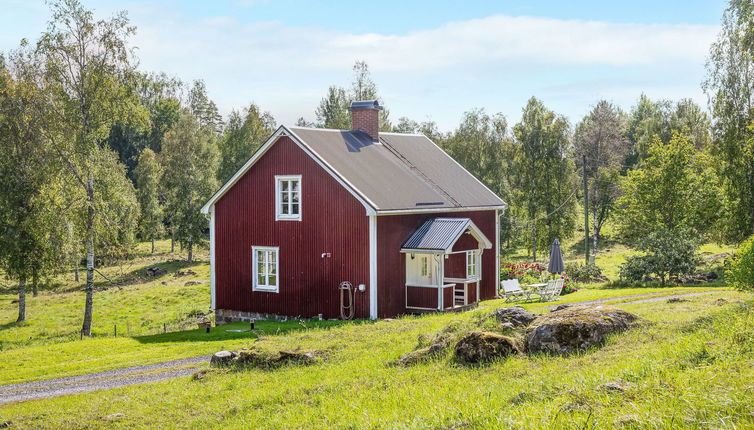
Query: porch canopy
[427, 250]
[438, 235]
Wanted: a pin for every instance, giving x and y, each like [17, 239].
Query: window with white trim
[424, 266]
[265, 265]
[288, 197]
[471, 264]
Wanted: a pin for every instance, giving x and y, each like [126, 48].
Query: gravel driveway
[100, 380]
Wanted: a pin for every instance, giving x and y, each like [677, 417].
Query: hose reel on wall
[347, 299]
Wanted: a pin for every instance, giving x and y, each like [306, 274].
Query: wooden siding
[392, 230]
[333, 221]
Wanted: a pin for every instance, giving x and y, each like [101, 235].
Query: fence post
[115, 330]
[164, 328]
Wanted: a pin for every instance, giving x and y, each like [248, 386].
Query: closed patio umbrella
[556, 258]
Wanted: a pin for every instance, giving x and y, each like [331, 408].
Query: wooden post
[115, 330]
[164, 328]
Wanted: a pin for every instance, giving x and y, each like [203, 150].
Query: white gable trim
[280, 132]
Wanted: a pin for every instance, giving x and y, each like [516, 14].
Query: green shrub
[585, 273]
[668, 253]
[741, 273]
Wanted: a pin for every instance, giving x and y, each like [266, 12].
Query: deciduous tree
[243, 135]
[148, 175]
[87, 78]
[601, 149]
[189, 157]
[730, 89]
[542, 175]
[674, 188]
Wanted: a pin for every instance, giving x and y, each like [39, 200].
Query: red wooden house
[392, 214]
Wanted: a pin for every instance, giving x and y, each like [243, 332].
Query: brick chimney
[365, 116]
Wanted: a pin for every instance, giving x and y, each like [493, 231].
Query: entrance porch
[443, 265]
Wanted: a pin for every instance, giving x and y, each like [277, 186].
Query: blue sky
[431, 60]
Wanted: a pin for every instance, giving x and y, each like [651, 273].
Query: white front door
[421, 269]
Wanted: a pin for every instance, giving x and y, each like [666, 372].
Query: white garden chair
[512, 290]
[552, 290]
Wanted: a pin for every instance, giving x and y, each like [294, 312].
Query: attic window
[288, 198]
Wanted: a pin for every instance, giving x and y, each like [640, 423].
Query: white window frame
[424, 266]
[255, 286]
[472, 261]
[279, 216]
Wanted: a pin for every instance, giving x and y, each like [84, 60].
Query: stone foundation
[225, 316]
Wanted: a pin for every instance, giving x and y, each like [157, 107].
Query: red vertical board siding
[332, 221]
[392, 230]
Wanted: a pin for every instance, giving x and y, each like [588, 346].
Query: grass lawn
[134, 302]
[44, 360]
[689, 363]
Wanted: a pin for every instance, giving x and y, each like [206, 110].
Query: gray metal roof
[400, 172]
[436, 234]
[440, 234]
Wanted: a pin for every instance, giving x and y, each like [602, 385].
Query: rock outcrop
[516, 316]
[576, 328]
[480, 347]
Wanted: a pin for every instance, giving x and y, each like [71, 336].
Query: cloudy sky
[431, 60]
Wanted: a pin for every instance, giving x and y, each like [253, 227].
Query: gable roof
[440, 234]
[398, 173]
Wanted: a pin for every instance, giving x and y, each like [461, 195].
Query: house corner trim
[212, 261]
[373, 267]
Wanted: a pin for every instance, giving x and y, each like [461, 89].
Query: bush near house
[526, 273]
[741, 272]
[585, 273]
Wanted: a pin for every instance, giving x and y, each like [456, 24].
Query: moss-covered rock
[576, 328]
[479, 347]
[516, 316]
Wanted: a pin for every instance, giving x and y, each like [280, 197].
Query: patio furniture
[551, 290]
[512, 290]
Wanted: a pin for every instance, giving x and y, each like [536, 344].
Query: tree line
[98, 154]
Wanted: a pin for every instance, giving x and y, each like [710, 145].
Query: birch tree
[86, 74]
[542, 175]
[730, 90]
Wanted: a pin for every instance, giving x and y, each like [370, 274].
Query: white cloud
[287, 68]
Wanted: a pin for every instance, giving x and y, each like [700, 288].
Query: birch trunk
[190, 250]
[152, 245]
[21, 300]
[86, 328]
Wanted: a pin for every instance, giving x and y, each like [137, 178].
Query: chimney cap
[365, 105]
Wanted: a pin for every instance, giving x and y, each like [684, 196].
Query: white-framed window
[471, 264]
[424, 266]
[288, 197]
[265, 268]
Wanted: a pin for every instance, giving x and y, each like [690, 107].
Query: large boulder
[222, 358]
[479, 347]
[516, 316]
[576, 328]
